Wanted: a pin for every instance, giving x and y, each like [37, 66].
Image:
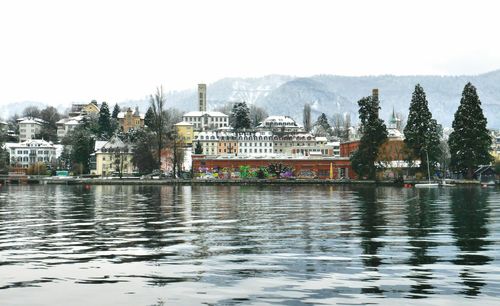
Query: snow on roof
[30, 120]
[121, 115]
[29, 143]
[394, 133]
[183, 123]
[99, 144]
[199, 114]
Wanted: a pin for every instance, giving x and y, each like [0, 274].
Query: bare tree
[31, 111]
[307, 117]
[257, 115]
[157, 103]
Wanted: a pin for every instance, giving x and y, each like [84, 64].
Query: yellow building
[130, 120]
[113, 158]
[84, 109]
[185, 132]
[91, 108]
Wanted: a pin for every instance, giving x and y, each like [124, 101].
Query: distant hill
[339, 94]
[286, 95]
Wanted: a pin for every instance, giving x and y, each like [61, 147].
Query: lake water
[265, 245]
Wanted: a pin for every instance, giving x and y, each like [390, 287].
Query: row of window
[26, 159]
[26, 152]
[214, 119]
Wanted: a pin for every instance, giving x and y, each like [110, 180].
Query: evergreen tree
[307, 117]
[80, 142]
[323, 122]
[198, 149]
[241, 116]
[469, 142]
[148, 118]
[142, 151]
[374, 135]
[105, 130]
[422, 133]
[116, 111]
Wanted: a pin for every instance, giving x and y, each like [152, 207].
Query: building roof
[279, 121]
[30, 120]
[30, 143]
[182, 123]
[135, 113]
[200, 114]
[113, 143]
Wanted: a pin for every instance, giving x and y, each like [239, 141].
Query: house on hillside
[130, 119]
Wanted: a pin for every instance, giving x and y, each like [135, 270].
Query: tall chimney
[202, 97]
[375, 94]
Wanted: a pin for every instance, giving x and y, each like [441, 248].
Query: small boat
[444, 184]
[428, 184]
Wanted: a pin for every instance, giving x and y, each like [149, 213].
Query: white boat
[428, 184]
[444, 184]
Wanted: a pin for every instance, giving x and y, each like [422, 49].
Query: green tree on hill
[105, 130]
[116, 111]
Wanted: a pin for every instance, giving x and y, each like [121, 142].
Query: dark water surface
[274, 245]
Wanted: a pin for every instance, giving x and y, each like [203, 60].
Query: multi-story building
[113, 157]
[209, 142]
[31, 151]
[282, 124]
[185, 133]
[294, 143]
[83, 109]
[66, 125]
[29, 128]
[255, 143]
[130, 120]
[203, 121]
[228, 143]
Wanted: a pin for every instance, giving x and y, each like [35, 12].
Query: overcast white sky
[64, 51]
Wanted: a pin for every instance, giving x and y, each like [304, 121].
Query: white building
[255, 143]
[29, 127]
[32, 151]
[280, 124]
[203, 121]
[66, 125]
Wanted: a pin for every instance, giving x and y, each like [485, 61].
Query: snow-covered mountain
[339, 94]
[286, 95]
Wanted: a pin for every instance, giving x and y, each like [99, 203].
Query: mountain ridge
[286, 95]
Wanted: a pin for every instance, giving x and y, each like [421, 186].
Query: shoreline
[236, 182]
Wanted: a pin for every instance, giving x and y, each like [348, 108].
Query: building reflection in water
[470, 217]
